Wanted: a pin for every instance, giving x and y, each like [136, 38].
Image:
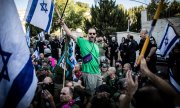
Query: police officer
[113, 50]
[132, 48]
[150, 54]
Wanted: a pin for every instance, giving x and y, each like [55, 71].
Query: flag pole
[66, 42]
[156, 16]
[64, 9]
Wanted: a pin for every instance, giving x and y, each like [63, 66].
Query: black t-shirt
[40, 46]
[152, 43]
[132, 47]
[55, 44]
[113, 46]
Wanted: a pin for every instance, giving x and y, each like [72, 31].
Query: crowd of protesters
[102, 77]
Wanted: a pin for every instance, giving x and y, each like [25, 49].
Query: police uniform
[152, 63]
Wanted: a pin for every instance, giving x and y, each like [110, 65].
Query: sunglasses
[92, 33]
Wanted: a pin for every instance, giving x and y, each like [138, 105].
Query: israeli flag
[40, 13]
[28, 36]
[18, 80]
[168, 41]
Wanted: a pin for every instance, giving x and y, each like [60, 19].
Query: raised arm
[159, 82]
[131, 88]
[68, 31]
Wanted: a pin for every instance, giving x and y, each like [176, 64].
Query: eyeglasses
[92, 33]
[63, 93]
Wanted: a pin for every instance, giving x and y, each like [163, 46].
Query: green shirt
[87, 47]
[101, 49]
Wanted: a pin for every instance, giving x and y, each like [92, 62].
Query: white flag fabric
[40, 13]
[41, 35]
[96, 1]
[168, 41]
[36, 54]
[28, 36]
[18, 81]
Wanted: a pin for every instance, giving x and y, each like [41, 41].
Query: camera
[49, 87]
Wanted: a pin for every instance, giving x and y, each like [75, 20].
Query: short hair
[129, 65]
[112, 69]
[131, 37]
[70, 90]
[144, 30]
[92, 29]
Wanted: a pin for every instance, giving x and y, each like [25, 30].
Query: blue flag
[40, 13]
[18, 81]
[168, 41]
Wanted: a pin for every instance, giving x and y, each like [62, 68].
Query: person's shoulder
[80, 38]
[141, 41]
[152, 40]
[75, 106]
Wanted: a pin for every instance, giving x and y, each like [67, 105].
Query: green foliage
[170, 9]
[135, 18]
[107, 18]
[34, 31]
[73, 16]
[174, 9]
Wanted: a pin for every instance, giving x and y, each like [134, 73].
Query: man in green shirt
[90, 53]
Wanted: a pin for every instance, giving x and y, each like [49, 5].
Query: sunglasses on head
[92, 33]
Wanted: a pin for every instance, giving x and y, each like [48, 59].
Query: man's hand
[132, 85]
[147, 59]
[143, 67]
[47, 95]
[67, 30]
[61, 21]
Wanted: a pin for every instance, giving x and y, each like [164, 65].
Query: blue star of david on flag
[166, 41]
[43, 6]
[40, 13]
[169, 40]
[5, 59]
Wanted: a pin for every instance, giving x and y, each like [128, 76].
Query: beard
[91, 38]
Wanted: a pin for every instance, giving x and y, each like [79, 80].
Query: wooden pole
[156, 16]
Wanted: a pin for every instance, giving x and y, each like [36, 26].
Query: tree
[152, 7]
[174, 9]
[73, 16]
[135, 16]
[34, 31]
[108, 18]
